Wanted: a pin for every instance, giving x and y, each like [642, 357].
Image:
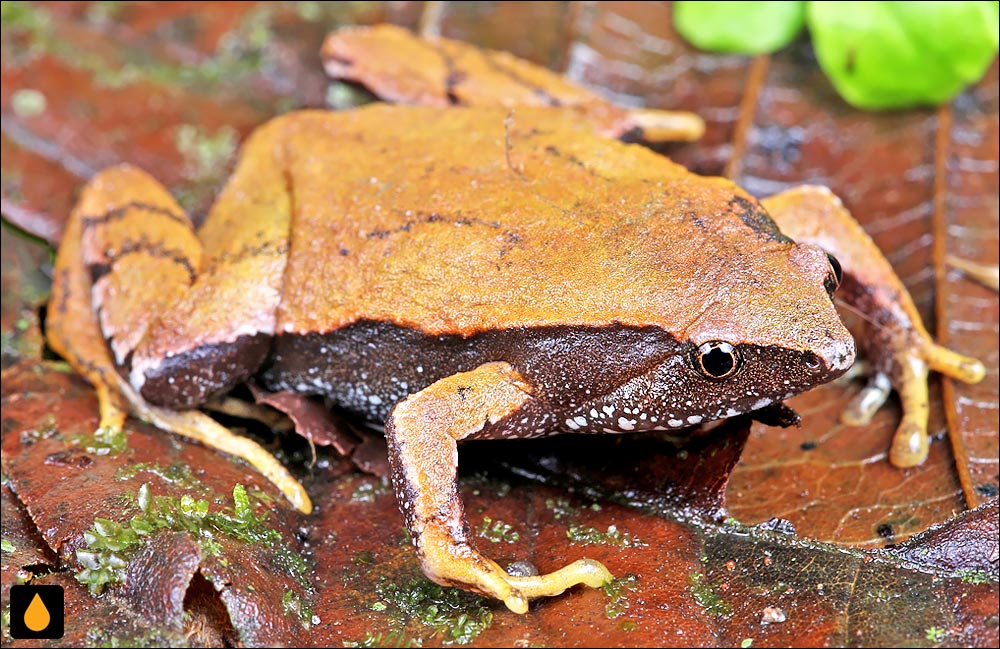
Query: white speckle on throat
[694, 419]
[626, 424]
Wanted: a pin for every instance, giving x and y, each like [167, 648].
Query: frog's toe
[583, 571]
[516, 602]
[909, 445]
[957, 366]
[866, 403]
[488, 578]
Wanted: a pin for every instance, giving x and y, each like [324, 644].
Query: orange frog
[492, 264]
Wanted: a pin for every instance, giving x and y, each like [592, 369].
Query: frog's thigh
[218, 332]
[422, 432]
[139, 249]
[128, 253]
[903, 351]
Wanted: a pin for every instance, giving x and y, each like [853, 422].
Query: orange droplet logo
[37, 617]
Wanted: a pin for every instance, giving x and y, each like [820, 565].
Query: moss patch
[110, 545]
[454, 616]
[704, 593]
[587, 535]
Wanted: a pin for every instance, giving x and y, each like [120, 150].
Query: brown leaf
[25, 287]
[967, 194]
[125, 85]
[967, 543]
[71, 479]
[313, 420]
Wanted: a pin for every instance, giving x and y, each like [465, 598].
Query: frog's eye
[717, 359]
[838, 274]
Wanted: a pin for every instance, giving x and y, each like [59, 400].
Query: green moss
[293, 604]
[935, 634]
[7, 546]
[973, 576]
[393, 639]
[31, 26]
[499, 532]
[454, 615]
[705, 595]
[369, 490]
[205, 154]
[177, 473]
[104, 11]
[45, 430]
[104, 441]
[21, 16]
[153, 638]
[241, 52]
[28, 102]
[560, 507]
[206, 162]
[344, 96]
[587, 535]
[363, 558]
[111, 545]
[619, 589]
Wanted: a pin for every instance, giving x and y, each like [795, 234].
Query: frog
[476, 261]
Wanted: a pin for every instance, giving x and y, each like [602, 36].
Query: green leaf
[898, 54]
[739, 27]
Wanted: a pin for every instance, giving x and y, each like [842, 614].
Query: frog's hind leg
[128, 256]
[422, 432]
[400, 67]
[896, 342]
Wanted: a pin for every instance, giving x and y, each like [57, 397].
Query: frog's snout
[833, 356]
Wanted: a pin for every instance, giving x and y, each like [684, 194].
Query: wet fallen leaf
[174, 88]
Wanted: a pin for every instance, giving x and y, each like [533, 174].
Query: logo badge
[36, 612]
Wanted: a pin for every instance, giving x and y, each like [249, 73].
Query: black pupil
[717, 361]
[838, 272]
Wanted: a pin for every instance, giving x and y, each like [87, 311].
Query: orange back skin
[460, 220]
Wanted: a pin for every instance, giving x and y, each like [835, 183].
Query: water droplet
[36, 617]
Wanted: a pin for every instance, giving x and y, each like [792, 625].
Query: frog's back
[458, 221]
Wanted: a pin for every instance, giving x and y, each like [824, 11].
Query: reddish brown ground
[173, 87]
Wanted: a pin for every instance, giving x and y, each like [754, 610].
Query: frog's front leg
[422, 432]
[895, 340]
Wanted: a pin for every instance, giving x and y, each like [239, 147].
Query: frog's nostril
[836, 356]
